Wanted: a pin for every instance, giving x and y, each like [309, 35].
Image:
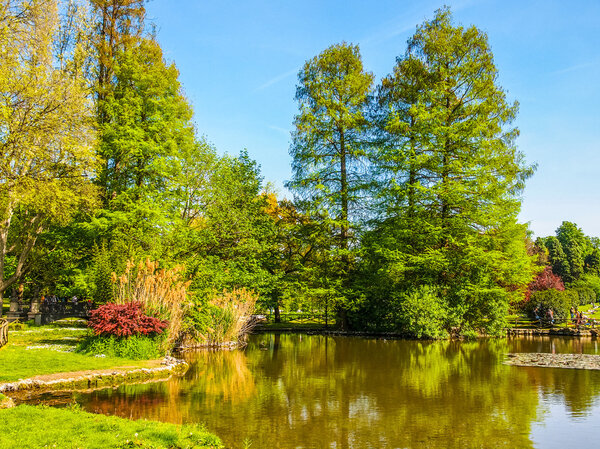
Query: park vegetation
[72, 427]
[405, 193]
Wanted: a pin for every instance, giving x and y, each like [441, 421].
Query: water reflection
[298, 391]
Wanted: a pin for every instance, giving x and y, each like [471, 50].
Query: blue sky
[238, 63]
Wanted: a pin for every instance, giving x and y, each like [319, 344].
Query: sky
[239, 60]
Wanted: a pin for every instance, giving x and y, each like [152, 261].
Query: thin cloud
[409, 21]
[280, 129]
[575, 68]
[275, 80]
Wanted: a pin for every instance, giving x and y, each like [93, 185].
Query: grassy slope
[585, 309]
[73, 428]
[18, 362]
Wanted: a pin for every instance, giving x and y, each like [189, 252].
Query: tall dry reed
[164, 293]
[226, 317]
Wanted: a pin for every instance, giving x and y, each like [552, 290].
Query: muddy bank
[545, 360]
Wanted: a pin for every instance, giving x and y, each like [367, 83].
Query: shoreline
[164, 369]
[509, 332]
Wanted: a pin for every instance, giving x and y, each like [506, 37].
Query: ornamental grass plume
[238, 307]
[223, 318]
[162, 292]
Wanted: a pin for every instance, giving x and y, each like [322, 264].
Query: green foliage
[586, 289]
[448, 180]
[423, 313]
[136, 347]
[47, 135]
[101, 273]
[576, 246]
[329, 146]
[559, 301]
[592, 262]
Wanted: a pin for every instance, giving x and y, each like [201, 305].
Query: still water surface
[299, 391]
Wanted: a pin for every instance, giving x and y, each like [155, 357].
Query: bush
[124, 320]
[584, 295]
[559, 301]
[423, 313]
[546, 280]
[136, 347]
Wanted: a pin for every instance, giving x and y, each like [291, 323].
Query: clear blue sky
[238, 62]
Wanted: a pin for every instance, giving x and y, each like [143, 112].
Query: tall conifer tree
[328, 146]
[450, 176]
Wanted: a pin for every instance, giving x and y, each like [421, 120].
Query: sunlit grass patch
[47, 350]
[72, 427]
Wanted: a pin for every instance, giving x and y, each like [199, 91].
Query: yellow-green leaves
[46, 133]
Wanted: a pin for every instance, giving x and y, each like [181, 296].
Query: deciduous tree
[46, 135]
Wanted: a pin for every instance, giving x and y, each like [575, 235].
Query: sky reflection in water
[299, 391]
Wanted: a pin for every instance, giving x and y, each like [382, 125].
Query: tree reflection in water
[291, 391]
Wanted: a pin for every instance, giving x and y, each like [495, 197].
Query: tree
[592, 262]
[576, 247]
[328, 145]
[146, 131]
[546, 280]
[449, 217]
[46, 136]
[118, 24]
[558, 258]
[293, 254]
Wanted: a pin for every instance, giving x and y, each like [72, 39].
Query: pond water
[300, 391]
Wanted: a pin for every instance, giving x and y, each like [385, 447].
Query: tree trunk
[277, 313]
[342, 313]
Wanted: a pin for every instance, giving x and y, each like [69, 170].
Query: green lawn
[48, 350]
[36, 427]
[586, 310]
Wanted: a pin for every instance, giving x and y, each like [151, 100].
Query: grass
[526, 322]
[48, 350]
[585, 309]
[35, 427]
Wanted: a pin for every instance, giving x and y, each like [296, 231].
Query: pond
[301, 391]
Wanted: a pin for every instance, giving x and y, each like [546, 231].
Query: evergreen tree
[558, 258]
[576, 247]
[328, 145]
[451, 177]
[118, 24]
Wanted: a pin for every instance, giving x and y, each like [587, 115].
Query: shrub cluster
[559, 301]
[423, 313]
[124, 320]
[136, 347]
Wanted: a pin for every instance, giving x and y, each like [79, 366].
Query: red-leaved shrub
[124, 320]
[546, 280]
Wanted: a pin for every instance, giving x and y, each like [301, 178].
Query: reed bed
[225, 317]
[163, 292]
